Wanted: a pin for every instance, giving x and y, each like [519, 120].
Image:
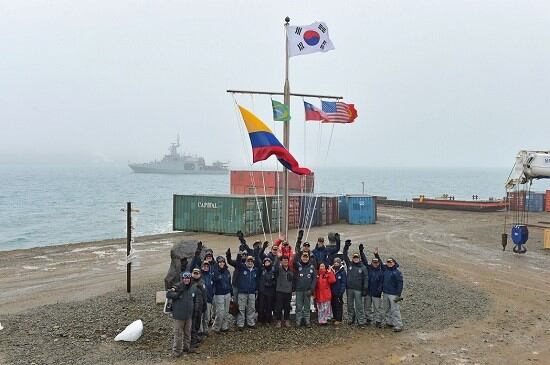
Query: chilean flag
[264, 144]
[313, 113]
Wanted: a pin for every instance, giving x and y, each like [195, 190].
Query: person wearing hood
[182, 312]
[222, 295]
[207, 279]
[338, 288]
[357, 282]
[374, 310]
[304, 282]
[283, 292]
[325, 254]
[323, 294]
[247, 282]
[199, 306]
[266, 292]
[392, 288]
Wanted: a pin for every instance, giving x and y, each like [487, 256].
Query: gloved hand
[364, 293]
[199, 249]
[265, 244]
[337, 236]
[240, 235]
[361, 247]
[300, 234]
[347, 243]
[183, 264]
[398, 299]
[228, 252]
[256, 244]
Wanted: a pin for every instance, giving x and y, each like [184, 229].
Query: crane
[529, 166]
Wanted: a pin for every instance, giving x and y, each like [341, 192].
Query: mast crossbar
[281, 93]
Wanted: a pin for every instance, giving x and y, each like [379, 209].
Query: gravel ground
[83, 332]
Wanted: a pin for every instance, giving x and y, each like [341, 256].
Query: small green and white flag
[280, 111]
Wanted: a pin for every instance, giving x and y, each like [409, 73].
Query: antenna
[178, 144]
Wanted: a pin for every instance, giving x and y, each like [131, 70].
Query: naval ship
[176, 163]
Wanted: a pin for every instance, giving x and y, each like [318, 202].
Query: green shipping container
[224, 214]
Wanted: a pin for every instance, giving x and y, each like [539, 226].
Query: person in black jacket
[374, 310]
[356, 288]
[182, 312]
[199, 306]
[266, 292]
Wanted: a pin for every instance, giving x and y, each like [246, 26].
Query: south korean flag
[305, 39]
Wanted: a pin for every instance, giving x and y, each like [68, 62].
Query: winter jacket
[305, 276]
[322, 289]
[357, 274]
[376, 277]
[325, 254]
[267, 281]
[338, 288]
[200, 297]
[208, 280]
[234, 263]
[222, 281]
[285, 251]
[182, 301]
[393, 280]
[285, 279]
[247, 279]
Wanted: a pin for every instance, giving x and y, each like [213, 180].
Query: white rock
[132, 332]
[1, 328]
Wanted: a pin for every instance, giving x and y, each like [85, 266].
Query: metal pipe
[282, 93]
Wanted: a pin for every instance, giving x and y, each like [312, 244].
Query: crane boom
[529, 165]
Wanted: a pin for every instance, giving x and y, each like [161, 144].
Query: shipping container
[534, 202]
[516, 200]
[218, 214]
[547, 201]
[361, 209]
[244, 181]
[343, 207]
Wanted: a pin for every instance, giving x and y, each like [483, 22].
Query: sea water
[46, 205]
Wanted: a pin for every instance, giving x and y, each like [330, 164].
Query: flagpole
[286, 134]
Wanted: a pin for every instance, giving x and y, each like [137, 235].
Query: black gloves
[300, 234]
[228, 252]
[347, 243]
[183, 263]
[240, 235]
[199, 248]
[361, 247]
[337, 236]
[265, 244]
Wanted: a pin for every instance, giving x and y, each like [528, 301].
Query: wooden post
[128, 247]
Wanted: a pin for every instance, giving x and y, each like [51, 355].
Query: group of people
[262, 285]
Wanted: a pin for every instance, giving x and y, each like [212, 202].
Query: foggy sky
[436, 83]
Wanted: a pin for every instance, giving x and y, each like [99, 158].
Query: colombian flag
[264, 144]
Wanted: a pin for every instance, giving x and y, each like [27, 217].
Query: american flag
[338, 112]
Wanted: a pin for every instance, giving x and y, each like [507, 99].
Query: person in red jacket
[323, 293]
[285, 250]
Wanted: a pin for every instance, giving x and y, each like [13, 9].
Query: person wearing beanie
[266, 292]
[338, 288]
[305, 280]
[207, 279]
[199, 306]
[323, 295]
[357, 282]
[283, 292]
[222, 295]
[247, 283]
[182, 312]
[374, 310]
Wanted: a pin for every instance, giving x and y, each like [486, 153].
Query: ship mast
[286, 126]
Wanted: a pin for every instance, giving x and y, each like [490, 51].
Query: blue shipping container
[343, 208]
[361, 209]
[534, 202]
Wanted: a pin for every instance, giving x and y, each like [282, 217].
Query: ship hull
[465, 205]
[144, 169]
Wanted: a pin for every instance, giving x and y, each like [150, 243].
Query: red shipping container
[517, 200]
[271, 179]
[547, 201]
